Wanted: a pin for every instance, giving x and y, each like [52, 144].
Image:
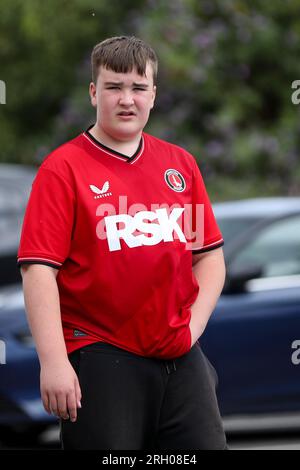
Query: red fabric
[135, 297]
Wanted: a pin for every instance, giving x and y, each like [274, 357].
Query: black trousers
[134, 403]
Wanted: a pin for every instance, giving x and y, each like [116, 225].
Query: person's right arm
[60, 388]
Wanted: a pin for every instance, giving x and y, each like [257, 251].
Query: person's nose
[126, 98]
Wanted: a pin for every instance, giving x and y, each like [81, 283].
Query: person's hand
[60, 389]
[194, 337]
[196, 327]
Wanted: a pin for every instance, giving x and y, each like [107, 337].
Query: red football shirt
[121, 230]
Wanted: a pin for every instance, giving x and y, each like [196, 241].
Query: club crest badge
[175, 180]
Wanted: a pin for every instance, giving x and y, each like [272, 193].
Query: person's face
[123, 102]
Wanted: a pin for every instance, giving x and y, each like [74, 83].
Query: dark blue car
[20, 403]
[253, 337]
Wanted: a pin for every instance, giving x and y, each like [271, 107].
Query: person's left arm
[209, 270]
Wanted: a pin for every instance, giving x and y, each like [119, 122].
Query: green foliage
[224, 91]
[43, 46]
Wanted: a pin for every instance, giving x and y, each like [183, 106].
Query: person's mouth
[126, 114]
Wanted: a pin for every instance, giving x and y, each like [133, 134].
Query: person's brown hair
[122, 54]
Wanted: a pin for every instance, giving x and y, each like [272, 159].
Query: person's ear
[93, 94]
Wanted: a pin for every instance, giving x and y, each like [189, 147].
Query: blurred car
[20, 404]
[21, 409]
[248, 339]
[15, 184]
[252, 335]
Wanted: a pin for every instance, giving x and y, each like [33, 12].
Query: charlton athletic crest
[175, 180]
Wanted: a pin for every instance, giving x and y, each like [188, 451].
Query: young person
[118, 283]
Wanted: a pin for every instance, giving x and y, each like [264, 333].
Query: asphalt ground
[289, 440]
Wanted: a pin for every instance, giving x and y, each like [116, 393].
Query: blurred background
[227, 93]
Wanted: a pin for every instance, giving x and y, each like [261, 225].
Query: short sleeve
[48, 221]
[206, 234]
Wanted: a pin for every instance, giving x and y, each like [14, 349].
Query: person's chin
[127, 132]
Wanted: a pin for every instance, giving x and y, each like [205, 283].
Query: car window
[276, 249]
[233, 227]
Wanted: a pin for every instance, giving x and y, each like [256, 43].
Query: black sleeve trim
[204, 250]
[19, 263]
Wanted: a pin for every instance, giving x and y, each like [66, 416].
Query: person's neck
[127, 148]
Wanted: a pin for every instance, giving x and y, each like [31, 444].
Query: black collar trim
[113, 152]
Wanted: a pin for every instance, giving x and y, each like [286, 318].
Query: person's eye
[113, 88]
[139, 89]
